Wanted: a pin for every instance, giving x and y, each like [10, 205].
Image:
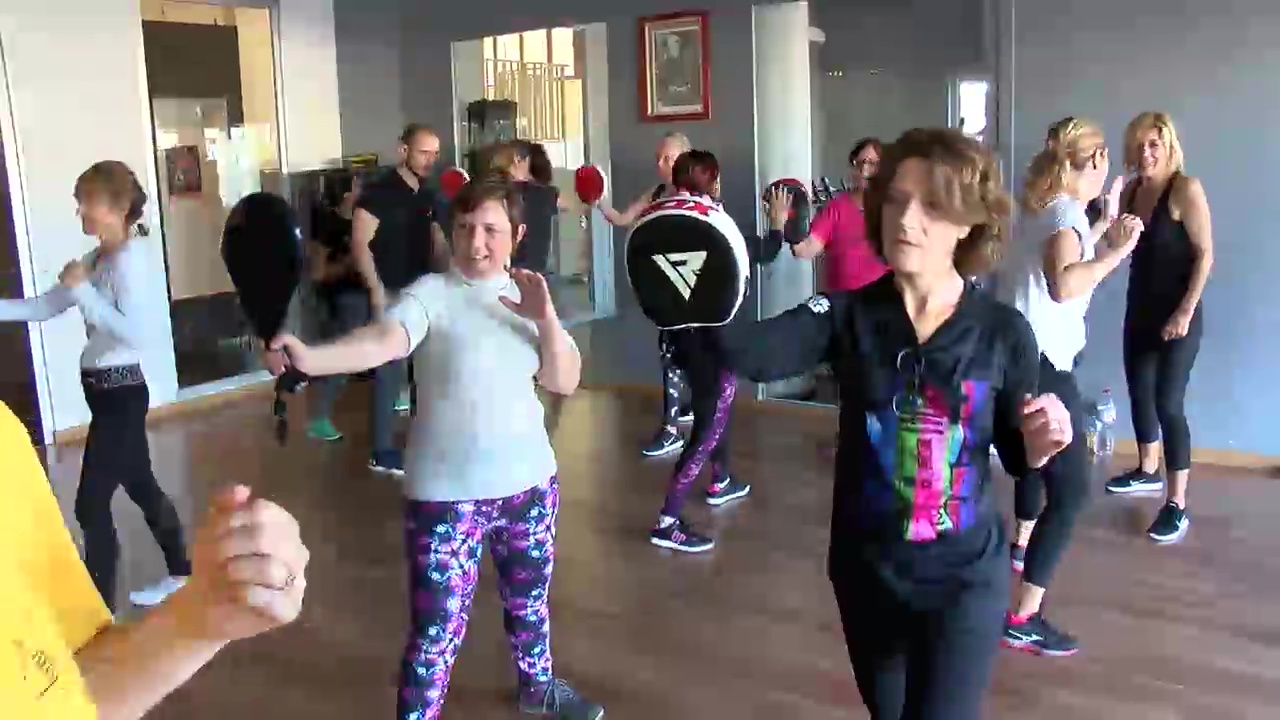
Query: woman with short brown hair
[932, 373]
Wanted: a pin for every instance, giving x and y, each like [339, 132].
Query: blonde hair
[1069, 147]
[679, 139]
[1163, 125]
[499, 158]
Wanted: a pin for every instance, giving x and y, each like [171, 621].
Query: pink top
[849, 260]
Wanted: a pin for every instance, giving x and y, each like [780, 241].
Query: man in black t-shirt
[395, 239]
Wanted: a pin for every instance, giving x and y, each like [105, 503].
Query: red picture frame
[674, 80]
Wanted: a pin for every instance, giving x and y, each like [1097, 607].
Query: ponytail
[1069, 146]
[1047, 177]
[137, 205]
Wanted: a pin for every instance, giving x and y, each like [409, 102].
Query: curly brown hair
[965, 187]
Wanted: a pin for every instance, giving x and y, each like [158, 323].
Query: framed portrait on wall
[182, 166]
[675, 67]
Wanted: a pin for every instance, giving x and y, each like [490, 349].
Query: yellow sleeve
[48, 560]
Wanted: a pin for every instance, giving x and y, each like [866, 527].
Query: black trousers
[924, 662]
[116, 454]
[1158, 372]
[1057, 492]
[674, 387]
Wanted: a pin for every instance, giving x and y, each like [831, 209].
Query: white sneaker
[155, 594]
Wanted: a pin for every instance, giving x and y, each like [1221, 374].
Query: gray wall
[888, 66]
[1214, 67]
[367, 35]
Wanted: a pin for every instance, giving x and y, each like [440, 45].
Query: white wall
[75, 74]
[784, 140]
[309, 84]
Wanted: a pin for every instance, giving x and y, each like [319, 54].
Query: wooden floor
[746, 632]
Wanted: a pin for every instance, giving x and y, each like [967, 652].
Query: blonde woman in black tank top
[1163, 319]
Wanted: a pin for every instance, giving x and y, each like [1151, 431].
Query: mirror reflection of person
[395, 239]
[675, 392]
[342, 295]
[60, 654]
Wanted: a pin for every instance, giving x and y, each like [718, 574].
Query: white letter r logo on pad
[682, 268]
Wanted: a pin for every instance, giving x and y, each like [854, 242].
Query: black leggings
[711, 388]
[922, 664]
[116, 454]
[674, 387]
[1158, 372]
[1060, 488]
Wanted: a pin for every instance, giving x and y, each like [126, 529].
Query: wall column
[784, 137]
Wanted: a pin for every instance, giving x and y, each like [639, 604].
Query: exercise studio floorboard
[745, 632]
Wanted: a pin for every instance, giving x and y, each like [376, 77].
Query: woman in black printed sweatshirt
[932, 372]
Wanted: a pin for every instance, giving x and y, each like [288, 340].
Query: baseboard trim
[164, 413]
[179, 408]
[1201, 456]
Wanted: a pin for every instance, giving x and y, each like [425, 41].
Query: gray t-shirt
[479, 432]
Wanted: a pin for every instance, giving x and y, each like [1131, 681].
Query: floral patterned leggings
[445, 542]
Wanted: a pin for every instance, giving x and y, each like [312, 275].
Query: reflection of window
[971, 107]
[534, 48]
[532, 68]
[562, 49]
[508, 47]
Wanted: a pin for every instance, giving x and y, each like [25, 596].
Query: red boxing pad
[452, 180]
[588, 183]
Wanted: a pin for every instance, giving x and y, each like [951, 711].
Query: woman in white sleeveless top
[1050, 278]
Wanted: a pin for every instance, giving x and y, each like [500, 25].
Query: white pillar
[784, 134]
[468, 86]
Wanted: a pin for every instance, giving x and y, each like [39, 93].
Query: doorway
[18, 387]
[211, 75]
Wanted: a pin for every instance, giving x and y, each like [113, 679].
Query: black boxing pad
[262, 250]
[687, 263]
[797, 227]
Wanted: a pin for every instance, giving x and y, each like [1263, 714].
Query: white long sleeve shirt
[112, 300]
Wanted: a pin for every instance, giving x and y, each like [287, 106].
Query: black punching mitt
[797, 227]
[262, 250]
[687, 263]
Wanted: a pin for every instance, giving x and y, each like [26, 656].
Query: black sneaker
[387, 461]
[1018, 556]
[667, 442]
[726, 490]
[1037, 635]
[560, 701]
[1170, 525]
[678, 536]
[1135, 481]
[686, 416]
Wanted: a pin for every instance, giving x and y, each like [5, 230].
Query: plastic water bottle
[1106, 441]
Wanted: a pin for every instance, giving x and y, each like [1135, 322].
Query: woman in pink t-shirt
[839, 232]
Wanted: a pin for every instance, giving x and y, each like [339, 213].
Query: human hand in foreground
[286, 351]
[535, 297]
[249, 570]
[1046, 428]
